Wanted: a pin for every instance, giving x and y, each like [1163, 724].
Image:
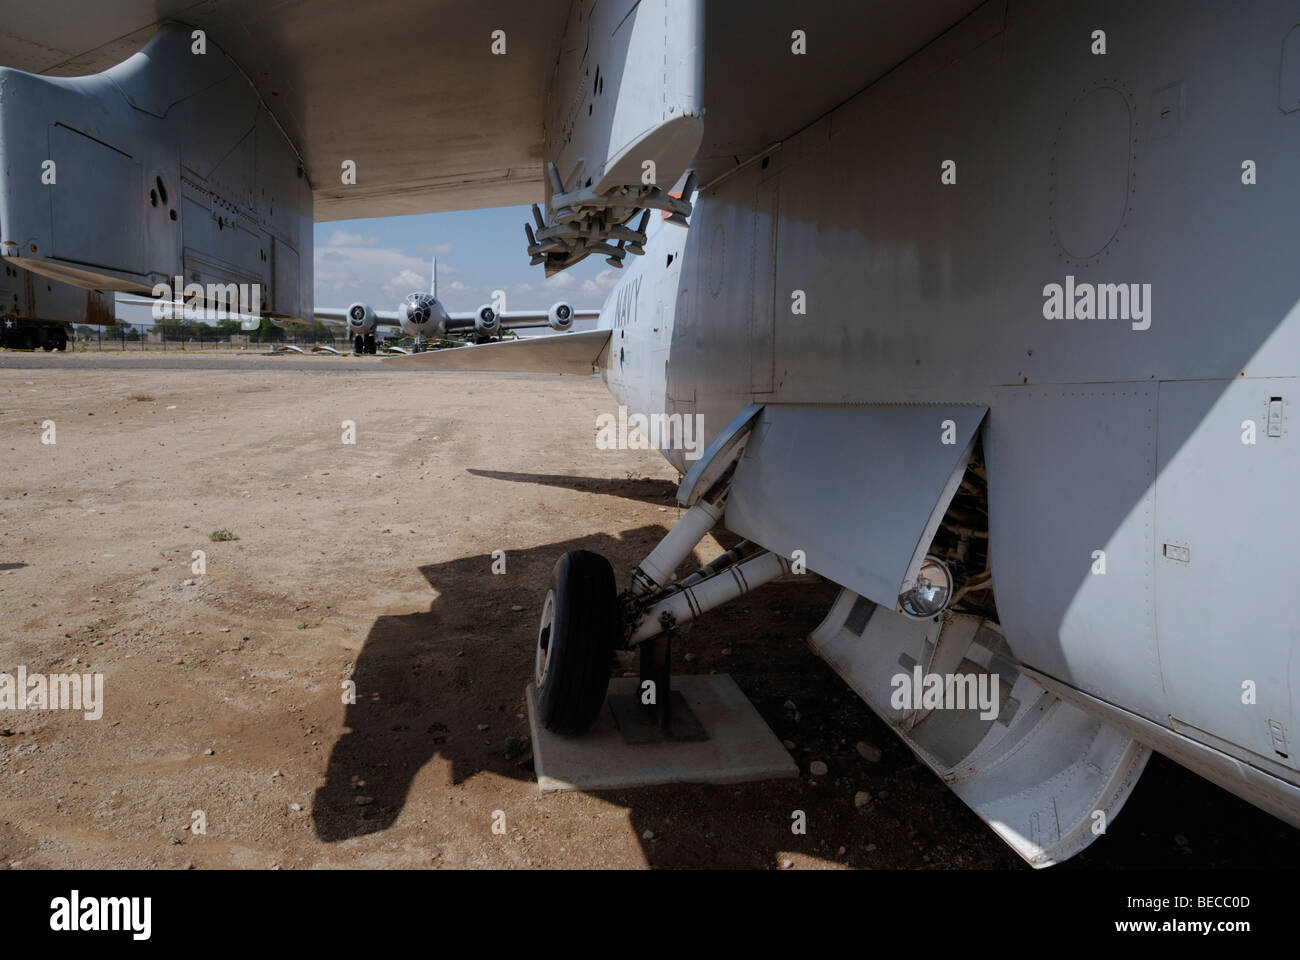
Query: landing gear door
[860, 490]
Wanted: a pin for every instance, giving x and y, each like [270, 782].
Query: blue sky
[381, 260]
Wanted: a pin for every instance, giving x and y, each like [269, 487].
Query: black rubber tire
[359, 345]
[582, 639]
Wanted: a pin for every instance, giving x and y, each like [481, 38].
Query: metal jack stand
[670, 717]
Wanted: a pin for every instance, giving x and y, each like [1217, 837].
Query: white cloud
[341, 238]
[601, 283]
[407, 281]
[379, 276]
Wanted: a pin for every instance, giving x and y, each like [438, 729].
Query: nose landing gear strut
[584, 621]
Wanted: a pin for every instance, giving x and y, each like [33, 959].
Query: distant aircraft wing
[333, 315]
[514, 319]
[571, 353]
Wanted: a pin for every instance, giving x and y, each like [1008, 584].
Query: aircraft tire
[575, 642]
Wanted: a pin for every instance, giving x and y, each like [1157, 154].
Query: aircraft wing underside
[368, 83]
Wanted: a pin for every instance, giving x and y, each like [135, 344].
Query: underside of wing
[575, 353]
[328, 70]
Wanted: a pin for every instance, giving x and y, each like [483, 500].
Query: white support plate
[741, 747]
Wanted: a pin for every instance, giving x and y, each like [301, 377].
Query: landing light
[933, 588]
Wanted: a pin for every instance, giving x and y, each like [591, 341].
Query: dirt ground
[373, 563]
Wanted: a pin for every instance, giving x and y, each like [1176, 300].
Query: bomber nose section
[417, 310]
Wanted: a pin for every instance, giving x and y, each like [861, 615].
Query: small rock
[789, 705]
[787, 864]
[870, 847]
[209, 752]
[818, 769]
[861, 799]
[276, 774]
[726, 651]
[225, 629]
[484, 726]
[187, 583]
[788, 744]
[188, 865]
[516, 608]
[365, 801]
[296, 807]
[689, 658]
[26, 748]
[869, 751]
[840, 852]
[6, 732]
[648, 835]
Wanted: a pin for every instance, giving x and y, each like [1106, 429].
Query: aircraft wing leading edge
[576, 353]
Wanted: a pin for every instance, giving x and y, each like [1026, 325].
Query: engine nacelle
[560, 316]
[361, 319]
[486, 322]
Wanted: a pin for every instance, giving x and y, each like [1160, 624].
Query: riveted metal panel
[1071, 473]
[1224, 600]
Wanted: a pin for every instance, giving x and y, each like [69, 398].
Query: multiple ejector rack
[584, 222]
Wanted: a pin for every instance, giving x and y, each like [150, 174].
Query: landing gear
[359, 344]
[61, 340]
[576, 640]
[370, 346]
[573, 648]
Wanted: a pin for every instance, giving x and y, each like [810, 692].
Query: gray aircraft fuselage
[1101, 250]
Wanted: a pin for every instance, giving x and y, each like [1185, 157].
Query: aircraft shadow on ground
[425, 682]
[645, 489]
